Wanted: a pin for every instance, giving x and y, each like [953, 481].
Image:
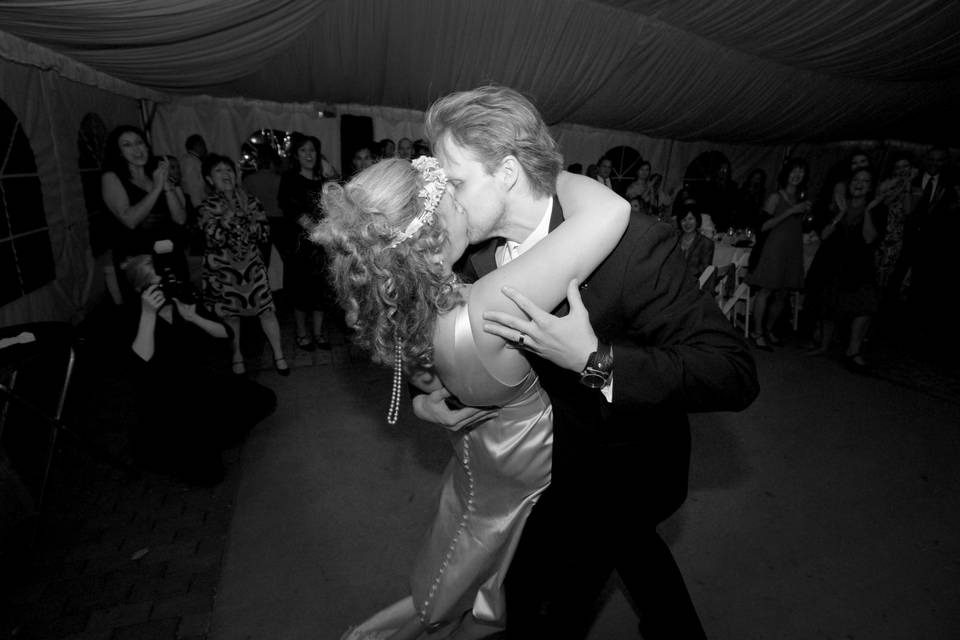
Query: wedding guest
[362, 158]
[900, 196]
[928, 251]
[604, 169]
[420, 148]
[776, 261]
[641, 186]
[304, 276]
[835, 184]
[386, 148]
[696, 248]
[845, 267]
[235, 283]
[187, 412]
[138, 192]
[405, 148]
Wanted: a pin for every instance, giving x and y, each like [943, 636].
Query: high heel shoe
[760, 342]
[856, 363]
[282, 370]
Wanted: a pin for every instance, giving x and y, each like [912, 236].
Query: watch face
[593, 380]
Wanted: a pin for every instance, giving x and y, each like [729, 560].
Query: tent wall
[50, 108]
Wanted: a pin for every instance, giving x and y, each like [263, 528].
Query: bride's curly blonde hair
[389, 293]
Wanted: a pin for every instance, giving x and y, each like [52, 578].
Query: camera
[172, 285]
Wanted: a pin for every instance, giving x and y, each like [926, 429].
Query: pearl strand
[394, 411]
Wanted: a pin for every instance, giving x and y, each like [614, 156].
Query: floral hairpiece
[435, 184]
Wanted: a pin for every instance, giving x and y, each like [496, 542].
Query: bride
[393, 234]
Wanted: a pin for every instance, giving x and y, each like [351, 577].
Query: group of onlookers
[173, 336]
[881, 251]
[169, 210]
[881, 243]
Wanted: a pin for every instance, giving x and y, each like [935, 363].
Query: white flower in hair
[434, 186]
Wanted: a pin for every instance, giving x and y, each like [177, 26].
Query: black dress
[304, 262]
[158, 225]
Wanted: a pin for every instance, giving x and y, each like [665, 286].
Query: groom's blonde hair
[494, 122]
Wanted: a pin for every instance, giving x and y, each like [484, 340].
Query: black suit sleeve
[678, 349]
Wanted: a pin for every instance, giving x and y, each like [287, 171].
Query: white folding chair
[733, 293]
[707, 273]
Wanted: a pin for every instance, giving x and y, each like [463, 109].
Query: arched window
[625, 160]
[90, 143]
[26, 257]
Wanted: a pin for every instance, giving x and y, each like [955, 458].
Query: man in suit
[928, 251]
[634, 354]
[604, 168]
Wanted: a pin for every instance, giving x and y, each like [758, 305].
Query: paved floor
[829, 509]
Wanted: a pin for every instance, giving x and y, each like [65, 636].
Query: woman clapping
[235, 282]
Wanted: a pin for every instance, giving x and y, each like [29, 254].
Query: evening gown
[498, 471]
[780, 265]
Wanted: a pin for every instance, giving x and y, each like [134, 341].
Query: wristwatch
[599, 367]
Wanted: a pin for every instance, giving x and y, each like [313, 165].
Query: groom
[638, 348]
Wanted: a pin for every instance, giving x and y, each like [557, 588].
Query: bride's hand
[567, 342]
[433, 407]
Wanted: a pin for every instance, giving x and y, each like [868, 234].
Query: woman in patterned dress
[900, 198]
[235, 282]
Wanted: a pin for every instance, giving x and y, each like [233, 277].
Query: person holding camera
[138, 190]
[235, 280]
[187, 412]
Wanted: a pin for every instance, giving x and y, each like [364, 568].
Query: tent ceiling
[725, 70]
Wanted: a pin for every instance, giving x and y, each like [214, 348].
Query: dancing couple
[563, 358]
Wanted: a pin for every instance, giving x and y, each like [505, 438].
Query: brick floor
[82, 581]
[112, 557]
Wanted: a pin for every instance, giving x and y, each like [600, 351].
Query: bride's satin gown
[498, 471]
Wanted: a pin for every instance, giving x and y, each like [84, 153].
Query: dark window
[625, 162]
[26, 257]
[90, 143]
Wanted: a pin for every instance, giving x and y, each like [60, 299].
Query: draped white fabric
[724, 70]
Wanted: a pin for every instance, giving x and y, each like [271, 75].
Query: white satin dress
[499, 470]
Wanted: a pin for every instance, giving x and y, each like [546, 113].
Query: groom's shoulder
[645, 230]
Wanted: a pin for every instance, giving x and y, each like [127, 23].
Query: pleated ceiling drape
[751, 71]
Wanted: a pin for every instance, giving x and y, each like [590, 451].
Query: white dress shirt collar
[510, 249]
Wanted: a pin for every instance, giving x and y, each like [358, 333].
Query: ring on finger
[521, 338]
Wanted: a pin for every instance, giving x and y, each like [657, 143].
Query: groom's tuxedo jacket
[674, 353]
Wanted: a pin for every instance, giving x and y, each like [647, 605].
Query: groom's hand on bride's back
[566, 341]
[438, 407]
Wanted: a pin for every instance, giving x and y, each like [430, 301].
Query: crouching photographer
[188, 412]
